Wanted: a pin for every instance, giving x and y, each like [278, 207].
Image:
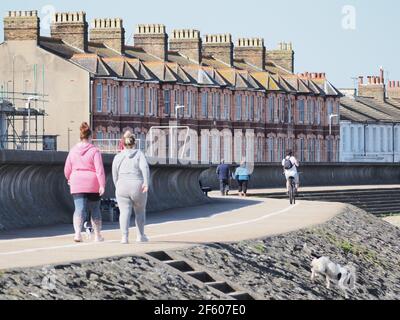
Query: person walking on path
[84, 171]
[131, 177]
[121, 145]
[242, 176]
[223, 173]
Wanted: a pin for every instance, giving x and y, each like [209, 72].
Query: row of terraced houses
[231, 101]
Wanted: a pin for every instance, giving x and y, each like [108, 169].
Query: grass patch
[259, 248]
[349, 247]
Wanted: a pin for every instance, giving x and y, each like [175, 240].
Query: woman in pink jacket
[84, 171]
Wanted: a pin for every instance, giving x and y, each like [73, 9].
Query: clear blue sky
[314, 26]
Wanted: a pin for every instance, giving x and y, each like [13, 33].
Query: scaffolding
[23, 128]
[22, 112]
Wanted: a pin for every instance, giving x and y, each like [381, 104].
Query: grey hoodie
[130, 164]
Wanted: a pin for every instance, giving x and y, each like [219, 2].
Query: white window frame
[99, 97]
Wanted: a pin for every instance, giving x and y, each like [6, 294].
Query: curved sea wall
[317, 174]
[34, 192]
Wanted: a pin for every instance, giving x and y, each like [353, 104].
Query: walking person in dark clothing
[223, 173]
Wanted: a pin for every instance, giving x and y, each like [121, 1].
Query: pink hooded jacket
[84, 169]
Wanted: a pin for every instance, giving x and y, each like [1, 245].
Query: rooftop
[134, 63]
[362, 109]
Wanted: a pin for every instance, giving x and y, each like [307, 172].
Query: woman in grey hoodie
[131, 178]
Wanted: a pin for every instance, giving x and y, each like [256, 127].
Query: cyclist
[290, 164]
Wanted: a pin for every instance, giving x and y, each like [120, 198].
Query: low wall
[316, 174]
[34, 192]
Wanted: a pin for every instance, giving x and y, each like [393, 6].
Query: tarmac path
[227, 219]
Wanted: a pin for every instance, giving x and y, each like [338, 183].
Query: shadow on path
[217, 206]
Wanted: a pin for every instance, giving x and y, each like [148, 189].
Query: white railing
[111, 145]
[107, 145]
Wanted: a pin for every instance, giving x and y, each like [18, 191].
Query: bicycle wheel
[293, 193]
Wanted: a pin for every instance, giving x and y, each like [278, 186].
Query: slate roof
[136, 64]
[361, 109]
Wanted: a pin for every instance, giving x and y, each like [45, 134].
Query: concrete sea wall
[34, 192]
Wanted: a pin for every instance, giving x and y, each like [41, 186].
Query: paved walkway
[227, 220]
[394, 220]
[312, 189]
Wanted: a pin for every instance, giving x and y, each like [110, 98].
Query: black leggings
[243, 186]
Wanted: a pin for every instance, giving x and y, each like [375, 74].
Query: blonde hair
[127, 133]
[129, 140]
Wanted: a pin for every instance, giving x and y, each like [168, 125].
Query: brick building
[239, 101]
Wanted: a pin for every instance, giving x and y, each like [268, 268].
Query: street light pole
[330, 122]
[177, 107]
[8, 91]
[69, 130]
[28, 104]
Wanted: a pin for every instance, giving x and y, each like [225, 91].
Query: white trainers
[142, 238]
[98, 239]
[124, 240]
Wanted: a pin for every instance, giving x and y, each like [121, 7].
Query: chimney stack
[71, 28]
[22, 25]
[282, 57]
[313, 75]
[188, 43]
[375, 88]
[252, 51]
[220, 46]
[393, 90]
[153, 39]
[110, 32]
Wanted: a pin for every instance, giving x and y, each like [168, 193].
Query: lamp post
[8, 92]
[330, 122]
[330, 132]
[28, 105]
[177, 107]
[69, 130]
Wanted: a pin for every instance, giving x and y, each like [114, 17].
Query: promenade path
[314, 189]
[227, 219]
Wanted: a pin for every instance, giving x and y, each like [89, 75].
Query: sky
[343, 38]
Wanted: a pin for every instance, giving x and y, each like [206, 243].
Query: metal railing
[110, 145]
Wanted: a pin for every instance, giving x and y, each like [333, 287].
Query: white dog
[345, 276]
[88, 230]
